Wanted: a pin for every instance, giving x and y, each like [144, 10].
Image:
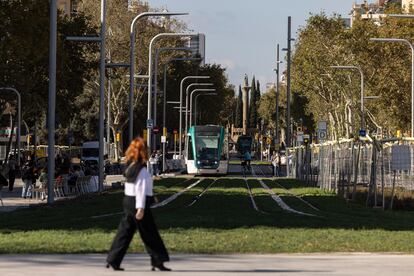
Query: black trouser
[147, 229]
[12, 178]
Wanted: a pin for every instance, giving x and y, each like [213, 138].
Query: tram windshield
[207, 146]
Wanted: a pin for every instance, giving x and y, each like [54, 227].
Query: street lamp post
[181, 107]
[52, 99]
[157, 53]
[288, 83]
[191, 101]
[165, 102]
[150, 77]
[399, 40]
[132, 63]
[195, 104]
[187, 95]
[19, 119]
[362, 89]
[278, 62]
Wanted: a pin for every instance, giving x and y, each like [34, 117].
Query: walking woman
[137, 213]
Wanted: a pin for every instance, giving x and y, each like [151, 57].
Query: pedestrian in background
[154, 164]
[12, 172]
[27, 177]
[137, 212]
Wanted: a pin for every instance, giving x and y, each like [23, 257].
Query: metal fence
[349, 167]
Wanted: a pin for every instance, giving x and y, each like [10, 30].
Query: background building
[408, 5]
[67, 6]
[375, 10]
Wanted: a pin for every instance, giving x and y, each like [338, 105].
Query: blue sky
[242, 35]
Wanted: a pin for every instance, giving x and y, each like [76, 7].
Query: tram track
[249, 191]
[292, 194]
[162, 203]
[176, 195]
[283, 205]
[197, 198]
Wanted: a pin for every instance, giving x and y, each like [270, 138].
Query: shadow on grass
[225, 206]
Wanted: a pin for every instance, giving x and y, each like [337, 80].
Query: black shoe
[114, 267]
[160, 267]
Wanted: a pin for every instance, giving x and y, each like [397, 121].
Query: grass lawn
[221, 221]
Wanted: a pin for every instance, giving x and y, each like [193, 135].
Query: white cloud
[226, 63]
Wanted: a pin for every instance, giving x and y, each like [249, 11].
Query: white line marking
[279, 200]
[202, 193]
[298, 197]
[174, 196]
[251, 196]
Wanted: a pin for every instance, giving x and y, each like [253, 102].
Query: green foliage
[334, 95]
[252, 122]
[239, 109]
[267, 108]
[24, 60]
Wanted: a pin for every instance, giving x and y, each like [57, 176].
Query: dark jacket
[27, 171]
[132, 171]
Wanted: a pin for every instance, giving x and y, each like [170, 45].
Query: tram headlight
[198, 162]
[215, 162]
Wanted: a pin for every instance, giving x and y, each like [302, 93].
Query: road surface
[209, 265]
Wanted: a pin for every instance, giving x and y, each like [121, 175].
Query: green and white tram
[205, 150]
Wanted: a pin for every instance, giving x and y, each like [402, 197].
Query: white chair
[58, 188]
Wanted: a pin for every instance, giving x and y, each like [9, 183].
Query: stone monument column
[245, 89]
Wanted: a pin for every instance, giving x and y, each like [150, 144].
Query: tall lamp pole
[150, 76]
[399, 40]
[288, 82]
[132, 63]
[165, 104]
[181, 108]
[157, 53]
[187, 105]
[52, 100]
[278, 62]
[191, 101]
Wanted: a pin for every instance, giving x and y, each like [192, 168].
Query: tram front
[207, 150]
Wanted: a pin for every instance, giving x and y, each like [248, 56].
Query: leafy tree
[253, 106]
[334, 95]
[257, 102]
[24, 58]
[239, 109]
[119, 19]
[267, 109]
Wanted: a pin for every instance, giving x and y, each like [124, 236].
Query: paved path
[209, 265]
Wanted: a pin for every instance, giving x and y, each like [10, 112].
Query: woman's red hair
[137, 151]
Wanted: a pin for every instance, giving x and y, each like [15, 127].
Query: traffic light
[269, 140]
[118, 136]
[306, 139]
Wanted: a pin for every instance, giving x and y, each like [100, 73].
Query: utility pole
[289, 49]
[52, 101]
[277, 95]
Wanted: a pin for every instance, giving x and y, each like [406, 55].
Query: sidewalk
[214, 265]
[13, 200]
